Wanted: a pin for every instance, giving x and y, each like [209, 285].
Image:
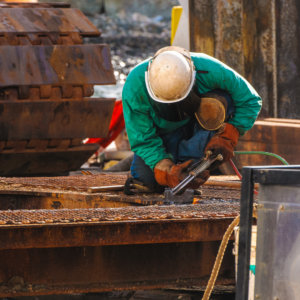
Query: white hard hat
[170, 75]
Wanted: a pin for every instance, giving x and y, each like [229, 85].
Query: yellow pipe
[175, 17]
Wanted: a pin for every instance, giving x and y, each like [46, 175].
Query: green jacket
[147, 119]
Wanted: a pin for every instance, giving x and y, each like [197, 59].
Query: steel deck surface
[71, 192]
[76, 183]
[197, 211]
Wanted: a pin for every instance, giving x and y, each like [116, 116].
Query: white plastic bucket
[252, 257]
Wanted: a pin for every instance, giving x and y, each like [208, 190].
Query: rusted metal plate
[42, 198]
[107, 268]
[67, 183]
[55, 65]
[278, 136]
[44, 161]
[34, 4]
[24, 120]
[42, 21]
[71, 192]
[215, 29]
[156, 213]
[288, 64]
[259, 39]
[14, 200]
[116, 233]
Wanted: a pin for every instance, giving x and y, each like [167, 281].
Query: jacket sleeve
[141, 131]
[246, 100]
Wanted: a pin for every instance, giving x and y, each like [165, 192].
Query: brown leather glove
[168, 174]
[223, 142]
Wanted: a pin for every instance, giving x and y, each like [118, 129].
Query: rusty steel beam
[45, 20]
[44, 161]
[55, 65]
[55, 119]
[53, 199]
[106, 268]
[34, 5]
[114, 226]
[112, 233]
[125, 251]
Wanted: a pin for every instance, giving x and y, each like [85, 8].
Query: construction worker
[177, 106]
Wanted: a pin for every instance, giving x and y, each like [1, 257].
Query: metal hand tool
[204, 165]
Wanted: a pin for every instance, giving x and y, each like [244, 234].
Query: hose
[238, 173]
[263, 153]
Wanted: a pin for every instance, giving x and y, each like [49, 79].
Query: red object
[117, 124]
[238, 173]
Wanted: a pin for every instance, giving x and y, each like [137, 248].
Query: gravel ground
[132, 39]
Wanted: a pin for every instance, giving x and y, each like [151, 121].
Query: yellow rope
[219, 259]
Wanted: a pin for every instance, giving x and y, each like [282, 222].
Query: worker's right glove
[168, 174]
[223, 142]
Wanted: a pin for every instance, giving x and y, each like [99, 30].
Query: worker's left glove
[223, 142]
[168, 174]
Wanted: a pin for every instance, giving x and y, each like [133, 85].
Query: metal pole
[242, 285]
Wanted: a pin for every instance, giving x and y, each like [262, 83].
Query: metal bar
[99, 189]
[114, 233]
[242, 284]
[277, 176]
[182, 184]
[229, 184]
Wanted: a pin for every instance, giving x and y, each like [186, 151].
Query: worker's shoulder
[136, 78]
[204, 62]
[135, 82]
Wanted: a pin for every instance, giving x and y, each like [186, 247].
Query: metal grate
[77, 183]
[206, 211]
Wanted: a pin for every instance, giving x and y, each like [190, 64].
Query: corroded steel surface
[147, 230]
[63, 65]
[257, 38]
[77, 183]
[34, 5]
[279, 136]
[199, 211]
[106, 268]
[65, 118]
[43, 61]
[71, 192]
[44, 161]
[44, 21]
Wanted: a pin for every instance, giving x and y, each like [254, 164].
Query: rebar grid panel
[76, 183]
[220, 193]
[82, 183]
[198, 211]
